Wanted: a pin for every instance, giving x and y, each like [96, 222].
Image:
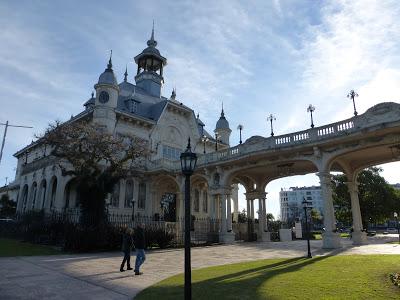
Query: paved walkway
[97, 276]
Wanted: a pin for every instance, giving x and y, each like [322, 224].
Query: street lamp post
[271, 118]
[352, 94]
[188, 164]
[311, 109]
[305, 206]
[204, 139]
[240, 128]
[396, 216]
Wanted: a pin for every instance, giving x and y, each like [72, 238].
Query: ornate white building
[346, 146]
[138, 109]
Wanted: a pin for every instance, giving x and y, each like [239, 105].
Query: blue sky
[258, 57]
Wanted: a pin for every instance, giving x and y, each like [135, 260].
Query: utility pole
[5, 134]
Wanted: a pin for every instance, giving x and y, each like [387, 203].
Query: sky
[257, 57]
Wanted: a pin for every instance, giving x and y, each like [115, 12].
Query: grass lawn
[10, 247]
[328, 277]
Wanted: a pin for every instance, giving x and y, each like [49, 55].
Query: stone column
[248, 209]
[224, 235]
[223, 213]
[263, 233]
[330, 239]
[228, 213]
[261, 218]
[358, 236]
[252, 210]
[235, 198]
[265, 214]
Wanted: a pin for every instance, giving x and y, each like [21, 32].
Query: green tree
[316, 218]
[378, 199]
[242, 217]
[95, 159]
[7, 206]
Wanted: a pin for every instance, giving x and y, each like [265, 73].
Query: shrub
[158, 236]
[395, 278]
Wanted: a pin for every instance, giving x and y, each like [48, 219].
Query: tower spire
[109, 66]
[222, 111]
[126, 73]
[152, 42]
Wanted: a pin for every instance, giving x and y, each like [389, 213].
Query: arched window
[33, 195]
[115, 196]
[42, 194]
[53, 193]
[196, 200]
[24, 197]
[128, 193]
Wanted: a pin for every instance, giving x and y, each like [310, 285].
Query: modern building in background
[290, 202]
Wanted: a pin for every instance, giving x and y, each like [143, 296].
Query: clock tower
[107, 92]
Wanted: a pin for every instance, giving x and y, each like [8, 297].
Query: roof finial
[126, 74]
[152, 32]
[92, 94]
[109, 66]
[198, 116]
[173, 95]
[222, 111]
[152, 42]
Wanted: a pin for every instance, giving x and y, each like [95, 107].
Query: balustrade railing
[300, 137]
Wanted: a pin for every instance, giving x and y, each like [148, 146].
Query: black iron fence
[57, 227]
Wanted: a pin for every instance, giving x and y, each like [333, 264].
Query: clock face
[104, 97]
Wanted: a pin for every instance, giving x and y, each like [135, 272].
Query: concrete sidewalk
[97, 276]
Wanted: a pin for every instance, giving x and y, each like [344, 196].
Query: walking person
[127, 243]
[140, 244]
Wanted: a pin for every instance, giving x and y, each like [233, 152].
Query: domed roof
[108, 77]
[222, 122]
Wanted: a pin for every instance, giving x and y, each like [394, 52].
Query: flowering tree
[95, 159]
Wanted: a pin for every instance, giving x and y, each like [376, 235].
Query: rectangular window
[171, 152]
[142, 195]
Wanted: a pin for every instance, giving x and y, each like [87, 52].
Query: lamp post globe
[188, 164]
[240, 128]
[311, 109]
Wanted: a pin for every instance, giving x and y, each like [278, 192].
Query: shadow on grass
[243, 284]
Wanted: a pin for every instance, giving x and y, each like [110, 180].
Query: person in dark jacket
[140, 244]
[127, 244]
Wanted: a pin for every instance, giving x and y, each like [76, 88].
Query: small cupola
[108, 77]
[222, 128]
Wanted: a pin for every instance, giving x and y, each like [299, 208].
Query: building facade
[291, 202]
[137, 109]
